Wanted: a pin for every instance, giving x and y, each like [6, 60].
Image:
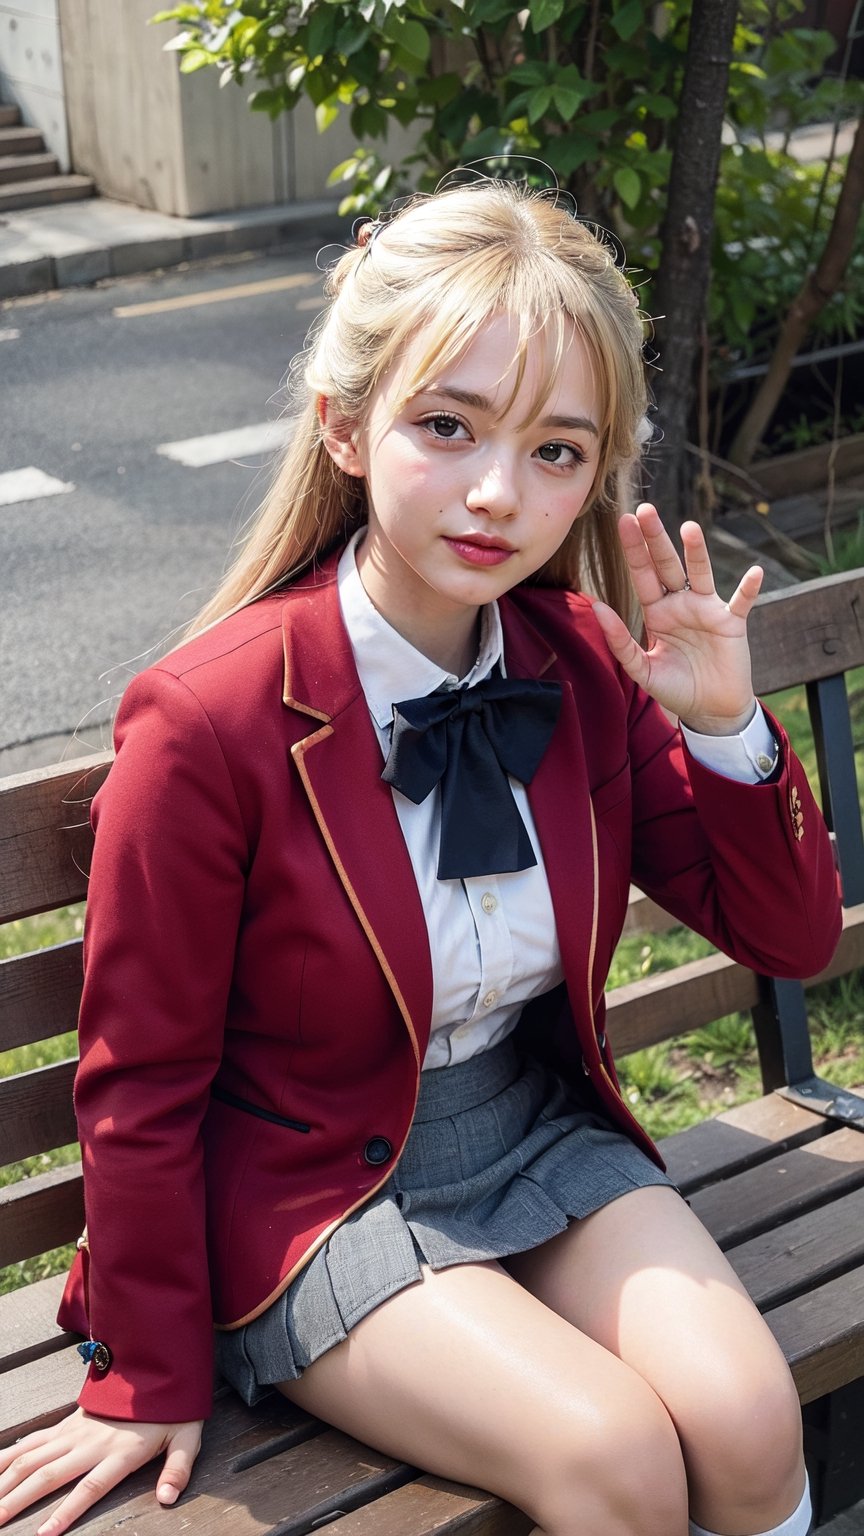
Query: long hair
[422, 288]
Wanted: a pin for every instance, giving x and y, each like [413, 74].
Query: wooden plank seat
[779, 1181]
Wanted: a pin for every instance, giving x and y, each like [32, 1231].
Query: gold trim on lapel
[298, 752]
[360, 826]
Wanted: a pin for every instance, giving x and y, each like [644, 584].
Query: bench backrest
[812, 635]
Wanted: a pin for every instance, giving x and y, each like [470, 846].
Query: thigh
[469, 1376]
[645, 1279]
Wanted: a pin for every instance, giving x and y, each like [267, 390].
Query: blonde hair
[427, 281]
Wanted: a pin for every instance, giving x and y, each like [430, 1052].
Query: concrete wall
[177, 143]
[31, 69]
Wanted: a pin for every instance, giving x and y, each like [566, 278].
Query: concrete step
[9, 117]
[26, 167]
[21, 141]
[46, 189]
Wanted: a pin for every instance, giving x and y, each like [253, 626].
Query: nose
[493, 489]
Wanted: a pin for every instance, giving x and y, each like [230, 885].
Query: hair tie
[364, 231]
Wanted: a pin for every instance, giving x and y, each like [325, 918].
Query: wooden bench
[780, 1182]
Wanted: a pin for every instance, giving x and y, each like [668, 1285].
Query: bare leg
[469, 1376]
[644, 1278]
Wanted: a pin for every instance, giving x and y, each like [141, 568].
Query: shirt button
[488, 902]
[490, 998]
[461, 1032]
[764, 763]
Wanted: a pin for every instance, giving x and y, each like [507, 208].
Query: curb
[177, 240]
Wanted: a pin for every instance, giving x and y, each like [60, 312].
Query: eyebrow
[481, 403]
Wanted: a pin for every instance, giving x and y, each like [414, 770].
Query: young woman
[360, 867]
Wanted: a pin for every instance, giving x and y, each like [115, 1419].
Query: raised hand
[697, 660]
[101, 1452]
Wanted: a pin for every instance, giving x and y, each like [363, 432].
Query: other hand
[101, 1452]
[697, 660]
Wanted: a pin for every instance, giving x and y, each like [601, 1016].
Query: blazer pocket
[606, 796]
[234, 1101]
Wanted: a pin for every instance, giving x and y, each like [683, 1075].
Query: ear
[339, 435]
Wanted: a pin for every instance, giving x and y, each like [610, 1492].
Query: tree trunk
[807, 305]
[685, 266]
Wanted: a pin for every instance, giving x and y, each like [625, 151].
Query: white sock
[798, 1523]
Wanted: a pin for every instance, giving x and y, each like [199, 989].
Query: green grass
[669, 1086]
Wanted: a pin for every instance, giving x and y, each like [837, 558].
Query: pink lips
[480, 551]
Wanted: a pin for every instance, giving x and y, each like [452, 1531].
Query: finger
[622, 645]
[103, 1477]
[182, 1450]
[40, 1483]
[646, 583]
[26, 1464]
[12, 1453]
[667, 561]
[697, 559]
[746, 592]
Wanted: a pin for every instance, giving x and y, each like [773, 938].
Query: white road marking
[9, 335]
[29, 485]
[217, 295]
[219, 447]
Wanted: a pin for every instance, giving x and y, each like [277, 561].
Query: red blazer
[254, 929]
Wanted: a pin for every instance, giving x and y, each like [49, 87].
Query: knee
[623, 1477]
[751, 1442]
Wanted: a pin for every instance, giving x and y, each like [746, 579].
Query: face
[464, 502]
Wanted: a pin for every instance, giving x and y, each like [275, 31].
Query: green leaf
[658, 105]
[628, 185]
[195, 59]
[539, 103]
[567, 101]
[629, 18]
[414, 38]
[544, 13]
[351, 34]
[321, 32]
[325, 114]
[531, 72]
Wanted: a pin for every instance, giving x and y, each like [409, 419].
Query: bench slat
[28, 1323]
[787, 1186]
[779, 1265]
[288, 1491]
[432, 1505]
[36, 1111]
[41, 1213]
[40, 994]
[814, 631]
[739, 1138]
[45, 836]
[657, 1007]
[822, 1335]
[675, 1002]
[39, 1393]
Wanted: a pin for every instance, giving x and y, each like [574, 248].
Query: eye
[556, 453]
[444, 427]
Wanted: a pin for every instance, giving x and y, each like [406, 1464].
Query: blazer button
[378, 1150]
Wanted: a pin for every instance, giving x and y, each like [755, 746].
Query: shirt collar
[389, 667]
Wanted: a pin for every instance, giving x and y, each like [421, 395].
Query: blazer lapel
[340, 764]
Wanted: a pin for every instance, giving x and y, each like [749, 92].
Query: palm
[695, 660]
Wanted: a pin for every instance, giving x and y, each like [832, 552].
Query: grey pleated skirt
[501, 1156]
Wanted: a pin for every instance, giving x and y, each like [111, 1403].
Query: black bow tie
[469, 740]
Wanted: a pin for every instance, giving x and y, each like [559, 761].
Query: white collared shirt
[492, 938]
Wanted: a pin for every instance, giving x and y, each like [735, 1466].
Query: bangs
[439, 341]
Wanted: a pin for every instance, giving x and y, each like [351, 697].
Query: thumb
[183, 1447]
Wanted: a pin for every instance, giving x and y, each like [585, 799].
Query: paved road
[110, 534]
